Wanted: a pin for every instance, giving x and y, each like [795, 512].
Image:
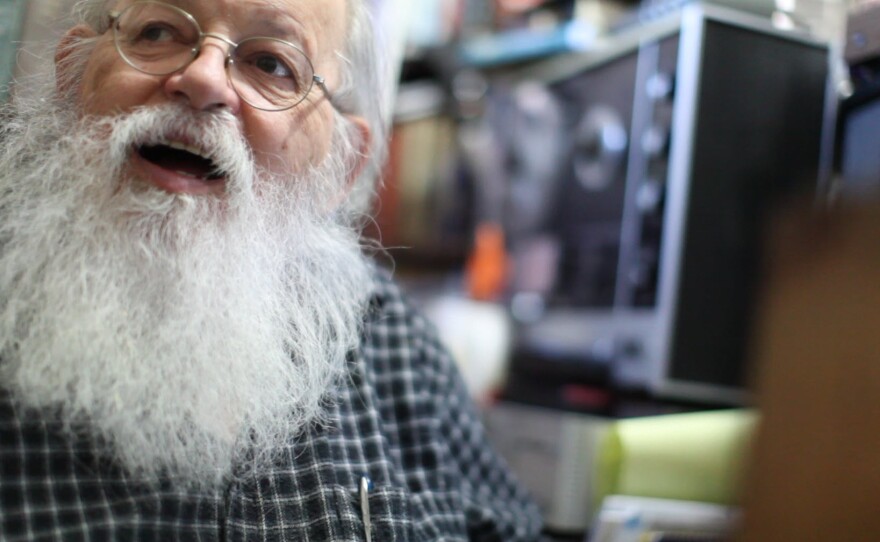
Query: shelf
[527, 44]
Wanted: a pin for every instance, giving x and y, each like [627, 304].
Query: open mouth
[182, 159]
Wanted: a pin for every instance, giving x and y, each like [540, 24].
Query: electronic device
[859, 152]
[677, 138]
[554, 455]
[858, 156]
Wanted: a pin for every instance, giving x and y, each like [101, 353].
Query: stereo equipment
[554, 455]
[859, 142]
[675, 141]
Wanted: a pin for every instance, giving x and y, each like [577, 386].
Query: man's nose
[204, 82]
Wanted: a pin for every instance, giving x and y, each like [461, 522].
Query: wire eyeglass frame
[230, 65]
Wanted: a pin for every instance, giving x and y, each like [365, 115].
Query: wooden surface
[815, 472]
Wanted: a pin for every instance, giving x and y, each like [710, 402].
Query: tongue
[178, 160]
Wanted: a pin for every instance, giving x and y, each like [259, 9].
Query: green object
[11, 16]
[692, 457]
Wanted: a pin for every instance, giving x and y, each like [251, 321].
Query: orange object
[487, 266]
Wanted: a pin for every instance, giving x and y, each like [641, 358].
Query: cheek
[292, 147]
[108, 89]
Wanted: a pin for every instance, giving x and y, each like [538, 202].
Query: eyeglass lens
[159, 39]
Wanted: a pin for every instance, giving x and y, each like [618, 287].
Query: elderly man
[193, 344]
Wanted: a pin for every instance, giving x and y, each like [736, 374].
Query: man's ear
[64, 76]
[362, 138]
[361, 129]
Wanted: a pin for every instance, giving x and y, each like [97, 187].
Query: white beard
[192, 336]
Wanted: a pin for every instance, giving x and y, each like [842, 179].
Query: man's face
[285, 142]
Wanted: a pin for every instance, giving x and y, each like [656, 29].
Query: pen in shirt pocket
[365, 488]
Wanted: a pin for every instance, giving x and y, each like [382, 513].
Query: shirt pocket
[390, 514]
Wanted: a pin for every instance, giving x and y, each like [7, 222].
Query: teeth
[188, 148]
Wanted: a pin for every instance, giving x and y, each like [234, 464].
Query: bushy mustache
[216, 133]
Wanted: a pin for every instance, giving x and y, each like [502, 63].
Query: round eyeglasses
[267, 73]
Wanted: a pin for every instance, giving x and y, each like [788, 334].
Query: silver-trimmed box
[723, 116]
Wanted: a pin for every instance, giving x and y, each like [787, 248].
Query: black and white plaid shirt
[403, 418]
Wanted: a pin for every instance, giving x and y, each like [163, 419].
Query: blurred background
[578, 194]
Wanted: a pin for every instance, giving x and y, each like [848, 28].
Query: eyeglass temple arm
[321, 83]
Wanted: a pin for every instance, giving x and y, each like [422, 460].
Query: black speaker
[677, 139]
